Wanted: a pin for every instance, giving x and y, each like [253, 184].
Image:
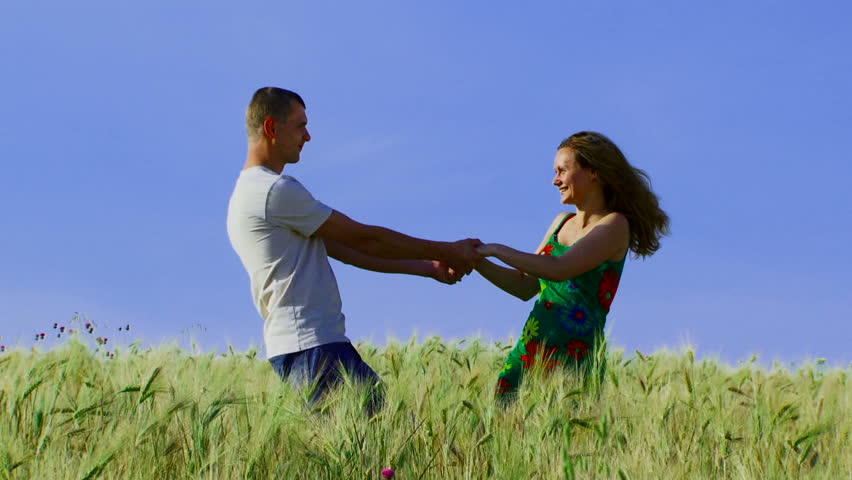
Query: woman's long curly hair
[627, 189]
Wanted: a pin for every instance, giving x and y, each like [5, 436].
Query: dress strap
[567, 217]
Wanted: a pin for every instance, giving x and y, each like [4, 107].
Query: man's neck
[258, 156]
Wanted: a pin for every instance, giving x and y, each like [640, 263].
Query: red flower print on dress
[548, 305]
[606, 292]
[534, 347]
[546, 250]
[503, 387]
[577, 349]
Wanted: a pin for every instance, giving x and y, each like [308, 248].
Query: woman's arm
[511, 281]
[603, 242]
[424, 268]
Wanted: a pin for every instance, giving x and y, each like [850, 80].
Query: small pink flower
[387, 473]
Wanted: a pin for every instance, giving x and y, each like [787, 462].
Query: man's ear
[269, 128]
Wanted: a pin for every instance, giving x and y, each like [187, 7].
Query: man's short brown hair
[269, 102]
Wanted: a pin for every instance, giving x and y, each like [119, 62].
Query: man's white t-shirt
[271, 220]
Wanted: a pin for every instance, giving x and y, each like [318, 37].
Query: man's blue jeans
[320, 368]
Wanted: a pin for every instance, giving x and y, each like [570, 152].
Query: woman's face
[573, 181]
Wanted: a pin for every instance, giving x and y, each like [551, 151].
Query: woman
[579, 262]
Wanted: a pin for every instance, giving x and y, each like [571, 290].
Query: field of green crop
[163, 413]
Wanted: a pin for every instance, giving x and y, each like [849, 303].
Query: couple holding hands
[284, 237]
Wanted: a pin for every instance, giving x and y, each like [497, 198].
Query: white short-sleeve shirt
[271, 220]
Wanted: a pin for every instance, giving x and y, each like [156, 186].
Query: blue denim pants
[321, 369]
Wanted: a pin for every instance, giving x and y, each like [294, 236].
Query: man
[284, 237]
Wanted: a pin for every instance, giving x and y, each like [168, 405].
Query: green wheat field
[164, 413]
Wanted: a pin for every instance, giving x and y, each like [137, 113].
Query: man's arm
[424, 268]
[385, 243]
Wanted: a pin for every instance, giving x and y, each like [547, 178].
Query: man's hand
[462, 255]
[442, 272]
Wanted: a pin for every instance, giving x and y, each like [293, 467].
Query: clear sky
[122, 134]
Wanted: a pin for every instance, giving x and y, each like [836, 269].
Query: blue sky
[123, 132]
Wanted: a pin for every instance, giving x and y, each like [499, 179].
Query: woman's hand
[488, 249]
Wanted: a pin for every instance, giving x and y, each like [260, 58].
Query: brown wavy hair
[627, 189]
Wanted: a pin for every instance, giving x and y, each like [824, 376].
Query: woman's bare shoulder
[561, 215]
[615, 218]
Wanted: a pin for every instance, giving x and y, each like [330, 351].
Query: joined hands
[460, 258]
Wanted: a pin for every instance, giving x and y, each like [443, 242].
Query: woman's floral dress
[566, 322]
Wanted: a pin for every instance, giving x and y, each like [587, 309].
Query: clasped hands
[459, 259]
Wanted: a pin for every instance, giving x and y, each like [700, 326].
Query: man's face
[291, 134]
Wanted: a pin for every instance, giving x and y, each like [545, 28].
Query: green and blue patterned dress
[566, 323]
